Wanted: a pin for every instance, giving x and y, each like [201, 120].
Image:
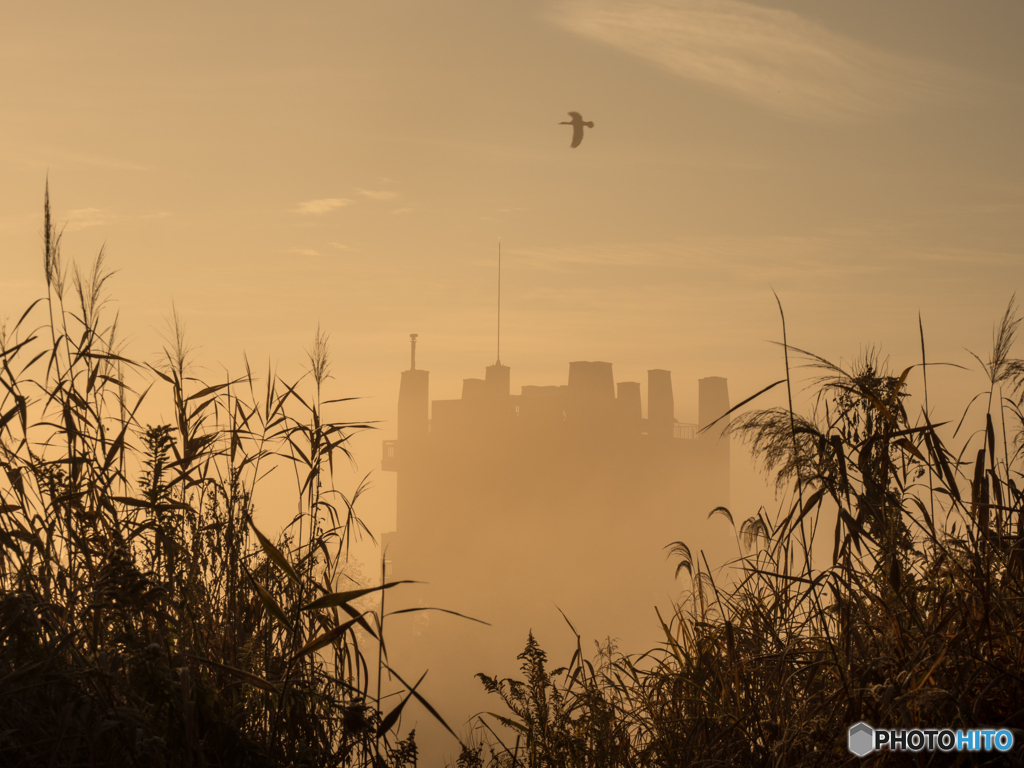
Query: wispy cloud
[323, 205]
[303, 251]
[378, 194]
[772, 57]
[884, 258]
[400, 211]
[82, 218]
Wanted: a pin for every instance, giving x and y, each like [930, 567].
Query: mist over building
[561, 495]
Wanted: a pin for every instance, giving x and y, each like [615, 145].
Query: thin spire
[499, 301]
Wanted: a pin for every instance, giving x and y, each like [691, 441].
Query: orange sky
[267, 167]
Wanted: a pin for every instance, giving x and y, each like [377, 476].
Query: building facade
[565, 495]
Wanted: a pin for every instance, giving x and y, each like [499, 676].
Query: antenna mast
[499, 301]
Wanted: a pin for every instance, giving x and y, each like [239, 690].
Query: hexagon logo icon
[860, 739]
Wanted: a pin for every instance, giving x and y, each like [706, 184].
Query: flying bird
[577, 127]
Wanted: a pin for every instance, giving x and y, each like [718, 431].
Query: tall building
[561, 495]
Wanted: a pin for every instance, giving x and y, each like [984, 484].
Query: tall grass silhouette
[912, 617]
[145, 619]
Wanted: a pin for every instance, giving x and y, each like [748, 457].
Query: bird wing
[577, 135]
[576, 116]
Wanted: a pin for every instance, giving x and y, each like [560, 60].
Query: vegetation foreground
[145, 620]
[914, 621]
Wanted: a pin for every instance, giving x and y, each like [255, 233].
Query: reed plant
[145, 619]
[911, 616]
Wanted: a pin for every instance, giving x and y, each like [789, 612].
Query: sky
[267, 169]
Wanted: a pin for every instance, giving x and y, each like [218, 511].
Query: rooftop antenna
[499, 301]
[412, 338]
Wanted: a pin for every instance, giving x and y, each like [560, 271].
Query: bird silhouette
[577, 127]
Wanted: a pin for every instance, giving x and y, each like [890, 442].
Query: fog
[543, 511]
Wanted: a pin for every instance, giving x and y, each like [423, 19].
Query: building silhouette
[564, 494]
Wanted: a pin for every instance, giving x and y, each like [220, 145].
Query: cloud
[400, 211]
[322, 206]
[883, 258]
[378, 195]
[81, 218]
[303, 251]
[774, 58]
